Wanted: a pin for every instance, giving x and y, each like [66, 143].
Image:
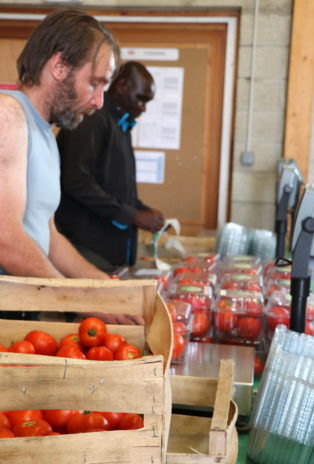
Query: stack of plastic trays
[262, 243]
[232, 239]
[282, 421]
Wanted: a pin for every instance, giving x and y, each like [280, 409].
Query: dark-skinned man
[99, 210]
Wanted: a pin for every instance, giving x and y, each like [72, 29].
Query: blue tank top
[43, 174]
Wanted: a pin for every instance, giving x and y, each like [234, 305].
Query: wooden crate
[199, 440]
[44, 382]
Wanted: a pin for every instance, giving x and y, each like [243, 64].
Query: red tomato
[309, 328]
[33, 428]
[258, 366]
[190, 259]
[252, 287]
[186, 282]
[181, 270]
[113, 341]
[278, 315]
[172, 310]
[6, 433]
[200, 324]
[253, 307]
[131, 421]
[43, 342]
[81, 423]
[178, 346]
[71, 338]
[3, 348]
[99, 353]
[23, 416]
[179, 328]
[58, 418]
[113, 419]
[198, 303]
[53, 433]
[249, 327]
[225, 320]
[232, 286]
[92, 331]
[23, 346]
[4, 421]
[70, 351]
[127, 352]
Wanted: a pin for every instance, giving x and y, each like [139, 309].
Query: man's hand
[150, 219]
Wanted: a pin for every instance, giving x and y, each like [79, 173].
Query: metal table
[202, 360]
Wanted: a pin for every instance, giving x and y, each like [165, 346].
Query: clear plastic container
[238, 317]
[195, 279]
[244, 282]
[181, 316]
[163, 277]
[200, 298]
[278, 309]
[282, 425]
[239, 267]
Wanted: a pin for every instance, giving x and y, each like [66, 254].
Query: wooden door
[191, 181]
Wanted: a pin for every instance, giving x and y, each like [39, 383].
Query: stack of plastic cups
[282, 421]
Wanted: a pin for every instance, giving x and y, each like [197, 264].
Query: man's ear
[58, 68]
[122, 86]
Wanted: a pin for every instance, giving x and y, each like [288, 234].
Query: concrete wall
[253, 187]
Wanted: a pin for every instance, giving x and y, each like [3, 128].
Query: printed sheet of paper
[160, 126]
[150, 166]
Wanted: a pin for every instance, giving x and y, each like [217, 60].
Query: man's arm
[68, 260]
[19, 253]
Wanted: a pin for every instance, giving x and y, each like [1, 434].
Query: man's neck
[37, 97]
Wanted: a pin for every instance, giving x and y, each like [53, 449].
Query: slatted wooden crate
[44, 382]
[200, 440]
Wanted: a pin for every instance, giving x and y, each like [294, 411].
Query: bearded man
[63, 69]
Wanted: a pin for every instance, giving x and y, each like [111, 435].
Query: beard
[62, 103]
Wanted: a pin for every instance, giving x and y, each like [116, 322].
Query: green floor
[242, 448]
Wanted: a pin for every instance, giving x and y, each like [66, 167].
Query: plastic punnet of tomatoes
[244, 282]
[278, 310]
[229, 266]
[194, 279]
[238, 317]
[194, 265]
[200, 298]
[181, 316]
[275, 273]
[275, 285]
[162, 277]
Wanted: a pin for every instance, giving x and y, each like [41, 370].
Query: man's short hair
[72, 32]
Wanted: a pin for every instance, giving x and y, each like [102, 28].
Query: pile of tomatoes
[35, 423]
[91, 342]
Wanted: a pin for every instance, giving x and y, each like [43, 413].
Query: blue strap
[125, 123]
[119, 226]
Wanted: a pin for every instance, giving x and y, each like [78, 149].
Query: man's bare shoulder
[13, 127]
[10, 107]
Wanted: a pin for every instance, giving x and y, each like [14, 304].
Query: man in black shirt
[99, 210]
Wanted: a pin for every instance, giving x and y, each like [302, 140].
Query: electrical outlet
[247, 158]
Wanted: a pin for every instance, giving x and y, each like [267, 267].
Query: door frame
[229, 78]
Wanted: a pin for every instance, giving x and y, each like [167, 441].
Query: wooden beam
[300, 86]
